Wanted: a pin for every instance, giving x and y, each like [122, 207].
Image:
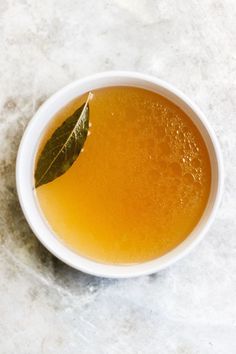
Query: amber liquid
[139, 187]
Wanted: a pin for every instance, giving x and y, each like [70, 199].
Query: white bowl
[25, 165]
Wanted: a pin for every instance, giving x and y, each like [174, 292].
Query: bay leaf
[64, 146]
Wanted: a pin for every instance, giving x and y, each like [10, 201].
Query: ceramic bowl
[25, 167]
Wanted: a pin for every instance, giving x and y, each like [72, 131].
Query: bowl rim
[24, 168]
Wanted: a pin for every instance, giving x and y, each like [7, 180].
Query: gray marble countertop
[47, 307]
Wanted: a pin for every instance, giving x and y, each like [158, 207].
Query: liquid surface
[139, 187]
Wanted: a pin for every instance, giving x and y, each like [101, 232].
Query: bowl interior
[28, 148]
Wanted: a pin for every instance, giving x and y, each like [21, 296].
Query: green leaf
[64, 146]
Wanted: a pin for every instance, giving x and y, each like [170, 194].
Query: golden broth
[139, 187]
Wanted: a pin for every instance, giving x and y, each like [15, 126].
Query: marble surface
[47, 307]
